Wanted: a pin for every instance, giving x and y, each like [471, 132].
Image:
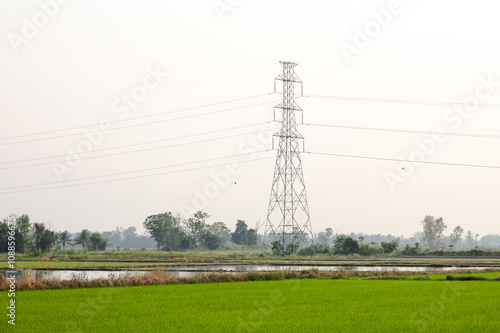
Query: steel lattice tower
[288, 207]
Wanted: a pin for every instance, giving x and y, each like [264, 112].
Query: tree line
[37, 237]
[165, 231]
[173, 233]
[431, 239]
[170, 232]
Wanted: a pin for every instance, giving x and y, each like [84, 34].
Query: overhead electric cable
[148, 123]
[404, 160]
[134, 177]
[141, 143]
[133, 151]
[130, 172]
[488, 136]
[400, 101]
[133, 118]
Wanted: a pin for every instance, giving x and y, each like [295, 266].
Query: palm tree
[83, 238]
[64, 237]
[97, 241]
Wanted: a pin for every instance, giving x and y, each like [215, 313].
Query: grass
[494, 274]
[314, 305]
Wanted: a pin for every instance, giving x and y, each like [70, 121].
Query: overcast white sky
[73, 68]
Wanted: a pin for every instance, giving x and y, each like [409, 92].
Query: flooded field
[190, 271]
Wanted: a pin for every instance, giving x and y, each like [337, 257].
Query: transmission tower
[288, 218]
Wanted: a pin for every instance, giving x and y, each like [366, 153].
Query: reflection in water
[190, 271]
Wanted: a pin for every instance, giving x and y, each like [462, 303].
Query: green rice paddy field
[307, 305]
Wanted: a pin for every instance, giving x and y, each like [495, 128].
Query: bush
[314, 249]
[277, 248]
[345, 245]
[389, 246]
[274, 276]
[411, 251]
[254, 277]
[465, 278]
[367, 250]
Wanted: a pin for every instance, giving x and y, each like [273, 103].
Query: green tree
[217, 228]
[456, 235]
[389, 246]
[185, 243]
[292, 247]
[196, 226]
[96, 242]
[83, 238]
[240, 233]
[23, 231]
[165, 230]
[367, 250]
[433, 230]
[328, 233]
[4, 236]
[411, 251]
[64, 237]
[251, 237]
[226, 236]
[345, 245]
[211, 241]
[277, 248]
[44, 238]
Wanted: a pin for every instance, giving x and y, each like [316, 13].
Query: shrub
[314, 249]
[274, 276]
[411, 251]
[367, 250]
[389, 246]
[254, 277]
[345, 245]
[465, 278]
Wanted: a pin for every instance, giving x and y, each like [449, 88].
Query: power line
[137, 144]
[134, 118]
[114, 91]
[488, 136]
[134, 151]
[404, 160]
[129, 172]
[134, 177]
[148, 123]
[391, 66]
[399, 101]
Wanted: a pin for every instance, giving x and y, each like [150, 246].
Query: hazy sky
[111, 64]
